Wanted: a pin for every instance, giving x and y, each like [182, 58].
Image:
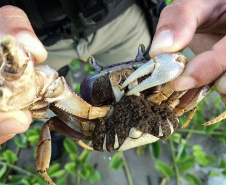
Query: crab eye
[94, 64]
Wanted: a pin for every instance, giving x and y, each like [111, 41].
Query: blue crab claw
[163, 68]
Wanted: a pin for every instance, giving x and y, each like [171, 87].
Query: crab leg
[189, 101]
[222, 116]
[189, 118]
[164, 68]
[61, 95]
[44, 145]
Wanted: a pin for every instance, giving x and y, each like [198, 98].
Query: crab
[122, 106]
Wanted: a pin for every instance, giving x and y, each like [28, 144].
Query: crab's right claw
[163, 68]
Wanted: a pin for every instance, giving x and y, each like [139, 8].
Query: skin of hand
[201, 25]
[15, 22]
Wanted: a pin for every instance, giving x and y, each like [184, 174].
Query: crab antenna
[140, 54]
[94, 64]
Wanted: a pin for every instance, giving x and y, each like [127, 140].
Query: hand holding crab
[204, 32]
[111, 121]
[15, 22]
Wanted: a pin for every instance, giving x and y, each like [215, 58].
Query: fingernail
[10, 126]
[164, 39]
[29, 115]
[29, 40]
[184, 83]
[220, 84]
[32, 44]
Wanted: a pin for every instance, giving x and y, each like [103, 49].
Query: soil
[133, 111]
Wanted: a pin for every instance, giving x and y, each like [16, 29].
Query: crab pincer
[163, 68]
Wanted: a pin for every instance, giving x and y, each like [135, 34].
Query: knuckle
[8, 10]
[178, 10]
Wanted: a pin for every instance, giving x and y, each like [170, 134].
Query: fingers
[4, 138]
[178, 23]
[204, 42]
[15, 22]
[220, 84]
[204, 68]
[13, 122]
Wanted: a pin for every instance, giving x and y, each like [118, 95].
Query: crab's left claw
[17, 75]
[164, 68]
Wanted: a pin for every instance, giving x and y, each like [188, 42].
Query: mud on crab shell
[105, 116]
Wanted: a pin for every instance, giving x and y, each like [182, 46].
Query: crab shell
[97, 89]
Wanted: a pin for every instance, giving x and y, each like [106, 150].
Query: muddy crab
[122, 106]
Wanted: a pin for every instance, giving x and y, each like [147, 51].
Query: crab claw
[164, 68]
[17, 75]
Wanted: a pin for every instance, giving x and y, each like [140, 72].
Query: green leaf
[164, 169]
[116, 162]
[54, 168]
[71, 168]
[35, 131]
[89, 70]
[197, 148]
[9, 156]
[74, 158]
[33, 135]
[21, 140]
[70, 146]
[24, 181]
[84, 156]
[62, 181]
[224, 172]
[87, 170]
[15, 178]
[74, 65]
[76, 87]
[202, 158]
[94, 177]
[58, 174]
[192, 179]
[168, 1]
[33, 139]
[3, 169]
[176, 137]
[155, 149]
[214, 173]
[187, 164]
[182, 154]
[222, 164]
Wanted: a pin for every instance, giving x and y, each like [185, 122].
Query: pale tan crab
[38, 88]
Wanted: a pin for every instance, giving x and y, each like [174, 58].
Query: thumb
[15, 22]
[15, 121]
[178, 23]
[204, 68]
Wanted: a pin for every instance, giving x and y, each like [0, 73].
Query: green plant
[184, 156]
[76, 169]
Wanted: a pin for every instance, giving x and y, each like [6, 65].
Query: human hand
[202, 26]
[15, 22]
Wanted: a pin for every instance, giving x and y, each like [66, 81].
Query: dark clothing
[53, 20]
